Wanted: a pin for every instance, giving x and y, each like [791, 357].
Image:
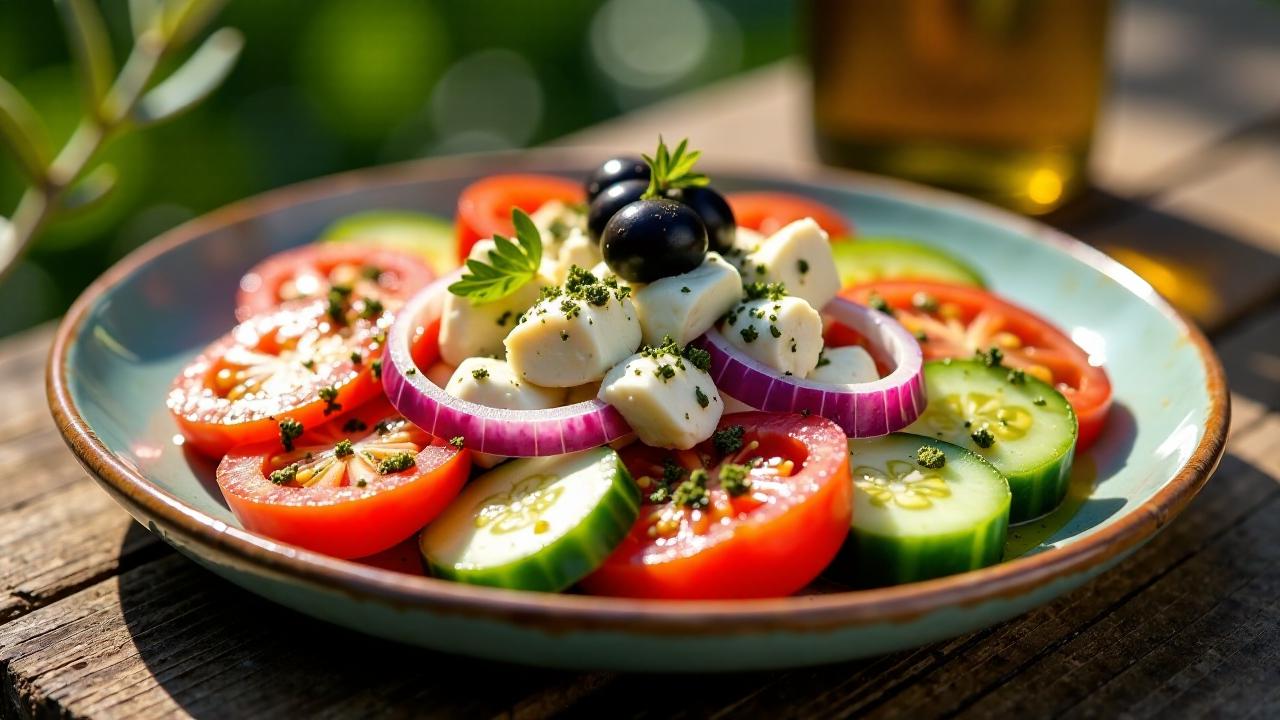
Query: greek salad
[636, 385]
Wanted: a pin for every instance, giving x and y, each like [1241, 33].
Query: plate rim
[560, 612]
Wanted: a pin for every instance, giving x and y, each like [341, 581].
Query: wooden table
[100, 619]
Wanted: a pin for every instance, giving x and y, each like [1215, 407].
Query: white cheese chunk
[685, 306]
[799, 257]
[493, 383]
[470, 329]
[497, 388]
[845, 366]
[665, 399]
[783, 333]
[555, 221]
[563, 342]
[577, 249]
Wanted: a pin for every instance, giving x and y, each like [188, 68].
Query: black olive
[615, 170]
[715, 213]
[652, 239]
[608, 203]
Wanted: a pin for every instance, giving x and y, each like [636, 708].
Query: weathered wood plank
[939, 679]
[37, 463]
[62, 541]
[1179, 624]
[22, 362]
[168, 638]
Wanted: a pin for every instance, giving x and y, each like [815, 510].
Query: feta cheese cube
[570, 340]
[577, 249]
[555, 221]
[493, 383]
[665, 399]
[490, 382]
[784, 333]
[470, 329]
[845, 366]
[799, 257]
[685, 306]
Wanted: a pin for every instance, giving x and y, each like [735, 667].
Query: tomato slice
[305, 361]
[353, 487]
[770, 541]
[959, 321]
[484, 207]
[767, 212]
[309, 271]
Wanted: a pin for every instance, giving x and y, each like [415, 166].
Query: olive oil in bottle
[994, 98]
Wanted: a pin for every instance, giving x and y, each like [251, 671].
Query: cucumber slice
[870, 259]
[431, 237]
[536, 523]
[912, 522]
[1033, 427]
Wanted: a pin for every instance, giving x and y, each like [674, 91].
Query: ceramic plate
[128, 335]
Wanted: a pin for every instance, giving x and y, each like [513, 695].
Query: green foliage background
[329, 85]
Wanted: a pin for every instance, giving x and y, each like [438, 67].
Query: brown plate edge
[558, 613]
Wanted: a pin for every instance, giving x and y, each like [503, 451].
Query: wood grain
[169, 638]
[98, 619]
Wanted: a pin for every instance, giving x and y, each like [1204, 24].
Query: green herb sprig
[511, 264]
[119, 98]
[672, 170]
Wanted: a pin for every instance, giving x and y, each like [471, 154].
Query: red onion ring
[515, 433]
[866, 409]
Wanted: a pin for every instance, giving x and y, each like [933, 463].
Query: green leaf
[511, 264]
[672, 170]
[528, 236]
[198, 77]
[23, 133]
[91, 48]
[92, 189]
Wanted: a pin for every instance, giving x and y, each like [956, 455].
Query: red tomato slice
[771, 541]
[484, 207]
[960, 321]
[309, 272]
[767, 212]
[294, 362]
[351, 488]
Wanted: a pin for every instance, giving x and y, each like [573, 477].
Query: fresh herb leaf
[672, 170]
[398, 462]
[290, 429]
[511, 264]
[930, 457]
[728, 440]
[284, 475]
[735, 479]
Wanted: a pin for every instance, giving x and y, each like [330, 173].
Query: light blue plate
[128, 335]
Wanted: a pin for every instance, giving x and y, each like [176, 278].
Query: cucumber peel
[914, 522]
[431, 238]
[539, 523]
[882, 258]
[1030, 428]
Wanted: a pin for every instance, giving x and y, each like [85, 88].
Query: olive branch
[115, 103]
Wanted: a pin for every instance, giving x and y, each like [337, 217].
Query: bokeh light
[650, 44]
[330, 85]
[367, 65]
[490, 100]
